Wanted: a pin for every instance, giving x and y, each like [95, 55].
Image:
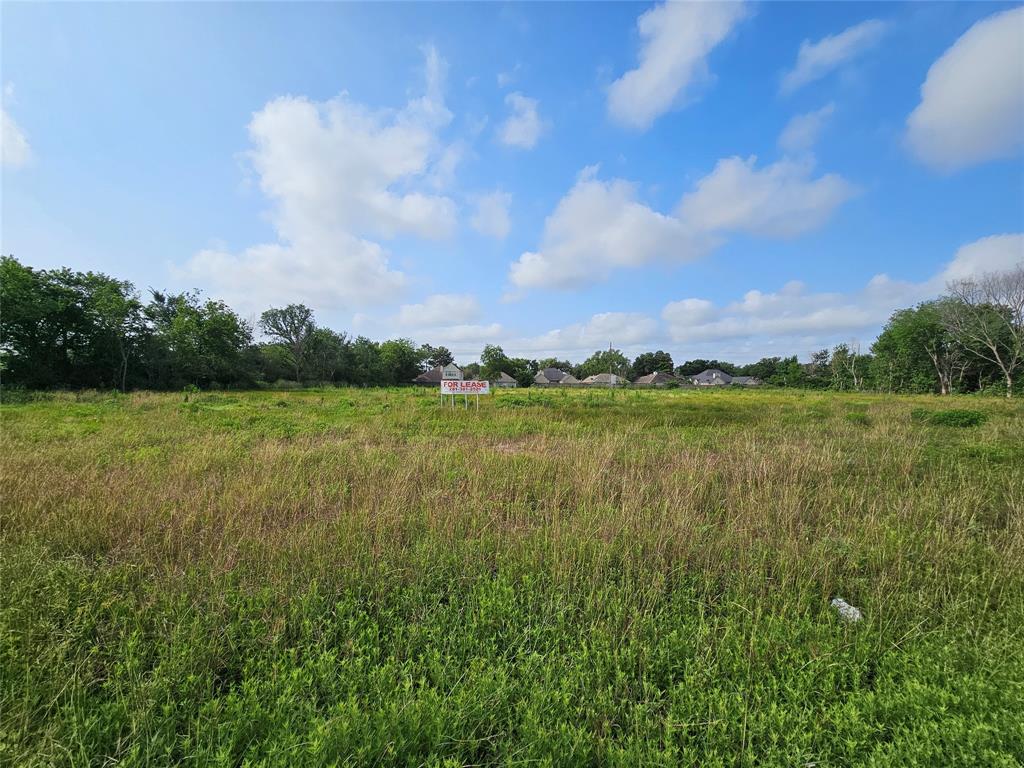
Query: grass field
[345, 577]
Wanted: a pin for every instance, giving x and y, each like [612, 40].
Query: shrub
[954, 417]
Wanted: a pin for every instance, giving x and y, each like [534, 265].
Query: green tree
[693, 367]
[366, 366]
[435, 357]
[327, 354]
[916, 353]
[650, 362]
[400, 362]
[986, 316]
[604, 361]
[292, 326]
[198, 342]
[493, 361]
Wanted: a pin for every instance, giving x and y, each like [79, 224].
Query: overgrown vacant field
[564, 578]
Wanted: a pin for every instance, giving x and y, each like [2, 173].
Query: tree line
[61, 328]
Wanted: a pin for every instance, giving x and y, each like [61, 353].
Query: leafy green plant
[954, 417]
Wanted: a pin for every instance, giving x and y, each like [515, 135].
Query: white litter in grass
[846, 611]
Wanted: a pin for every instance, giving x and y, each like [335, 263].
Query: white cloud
[802, 131]
[491, 217]
[338, 173]
[440, 309]
[597, 226]
[468, 333]
[15, 151]
[990, 254]
[779, 200]
[677, 38]
[972, 101]
[815, 60]
[600, 225]
[523, 127]
[620, 329]
[793, 316]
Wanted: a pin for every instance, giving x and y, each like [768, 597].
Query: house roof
[569, 379]
[658, 377]
[711, 374]
[433, 376]
[603, 378]
[504, 377]
[551, 376]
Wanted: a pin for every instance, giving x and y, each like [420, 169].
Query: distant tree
[764, 369]
[327, 354]
[119, 313]
[435, 357]
[986, 316]
[400, 361]
[366, 368]
[197, 342]
[847, 366]
[788, 373]
[817, 374]
[493, 361]
[693, 367]
[916, 353]
[651, 362]
[471, 371]
[604, 361]
[66, 328]
[522, 370]
[292, 326]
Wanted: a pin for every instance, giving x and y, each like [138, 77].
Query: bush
[954, 417]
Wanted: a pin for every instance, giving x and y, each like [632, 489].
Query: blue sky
[727, 180]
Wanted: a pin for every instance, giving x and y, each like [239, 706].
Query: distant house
[433, 376]
[605, 380]
[505, 381]
[657, 379]
[712, 377]
[551, 376]
[451, 372]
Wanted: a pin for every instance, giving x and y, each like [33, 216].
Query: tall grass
[564, 578]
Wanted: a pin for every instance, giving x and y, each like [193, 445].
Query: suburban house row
[555, 377]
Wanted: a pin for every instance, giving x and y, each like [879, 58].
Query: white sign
[465, 387]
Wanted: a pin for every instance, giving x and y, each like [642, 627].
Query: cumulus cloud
[601, 225]
[972, 100]
[597, 226]
[622, 329]
[996, 253]
[676, 40]
[523, 127]
[815, 60]
[779, 200]
[15, 151]
[795, 315]
[440, 309]
[802, 131]
[337, 174]
[491, 217]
